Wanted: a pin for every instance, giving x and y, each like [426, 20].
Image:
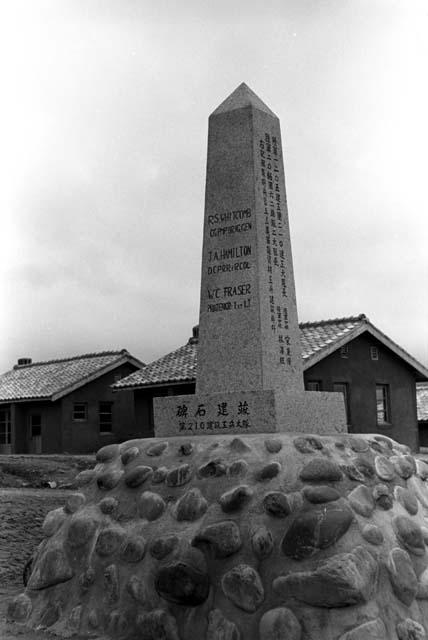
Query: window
[313, 385]
[106, 417]
[383, 411]
[374, 353]
[117, 377]
[35, 425]
[80, 411]
[343, 387]
[5, 427]
[344, 351]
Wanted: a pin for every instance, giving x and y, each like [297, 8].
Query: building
[66, 405]
[376, 376]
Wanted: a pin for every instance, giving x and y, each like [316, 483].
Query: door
[5, 431]
[35, 433]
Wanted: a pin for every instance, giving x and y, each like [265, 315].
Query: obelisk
[250, 374]
[248, 329]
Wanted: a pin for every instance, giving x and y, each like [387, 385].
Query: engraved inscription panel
[231, 253]
[275, 244]
[239, 412]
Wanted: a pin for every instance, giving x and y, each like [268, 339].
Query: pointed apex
[240, 98]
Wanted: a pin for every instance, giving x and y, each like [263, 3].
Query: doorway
[35, 433]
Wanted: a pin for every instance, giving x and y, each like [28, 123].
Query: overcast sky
[105, 113]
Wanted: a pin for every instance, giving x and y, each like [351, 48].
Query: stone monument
[250, 376]
[256, 536]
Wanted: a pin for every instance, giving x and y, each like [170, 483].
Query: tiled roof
[47, 379]
[318, 340]
[422, 401]
[316, 336]
[180, 365]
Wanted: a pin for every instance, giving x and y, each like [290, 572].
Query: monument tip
[242, 97]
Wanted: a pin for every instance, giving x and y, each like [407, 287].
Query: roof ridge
[361, 317]
[316, 323]
[409, 355]
[83, 356]
[190, 342]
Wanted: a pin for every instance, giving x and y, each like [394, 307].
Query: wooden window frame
[102, 414]
[385, 402]
[31, 422]
[75, 411]
[5, 427]
[374, 353]
[344, 351]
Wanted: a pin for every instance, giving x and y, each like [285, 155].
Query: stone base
[249, 412]
[223, 537]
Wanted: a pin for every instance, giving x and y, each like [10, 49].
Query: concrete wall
[362, 374]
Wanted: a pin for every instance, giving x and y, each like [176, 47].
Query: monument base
[264, 411]
[249, 536]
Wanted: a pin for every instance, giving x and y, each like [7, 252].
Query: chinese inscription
[274, 222]
[225, 415]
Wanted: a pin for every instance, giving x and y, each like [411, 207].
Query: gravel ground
[31, 471]
[23, 506]
[22, 512]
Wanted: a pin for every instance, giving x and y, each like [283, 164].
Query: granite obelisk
[248, 328]
[250, 375]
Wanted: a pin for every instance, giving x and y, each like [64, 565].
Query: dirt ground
[31, 471]
[23, 506]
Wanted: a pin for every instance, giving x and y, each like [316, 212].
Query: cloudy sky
[105, 107]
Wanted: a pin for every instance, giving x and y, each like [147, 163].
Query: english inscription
[226, 292]
[240, 216]
[231, 253]
[228, 260]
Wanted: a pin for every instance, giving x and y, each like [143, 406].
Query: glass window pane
[36, 425]
[80, 411]
[5, 427]
[382, 403]
[105, 416]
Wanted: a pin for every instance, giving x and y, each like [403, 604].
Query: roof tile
[180, 365]
[44, 379]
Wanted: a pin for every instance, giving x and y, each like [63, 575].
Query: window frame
[5, 427]
[374, 353]
[385, 400]
[344, 351]
[32, 425]
[101, 423]
[316, 384]
[82, 404]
